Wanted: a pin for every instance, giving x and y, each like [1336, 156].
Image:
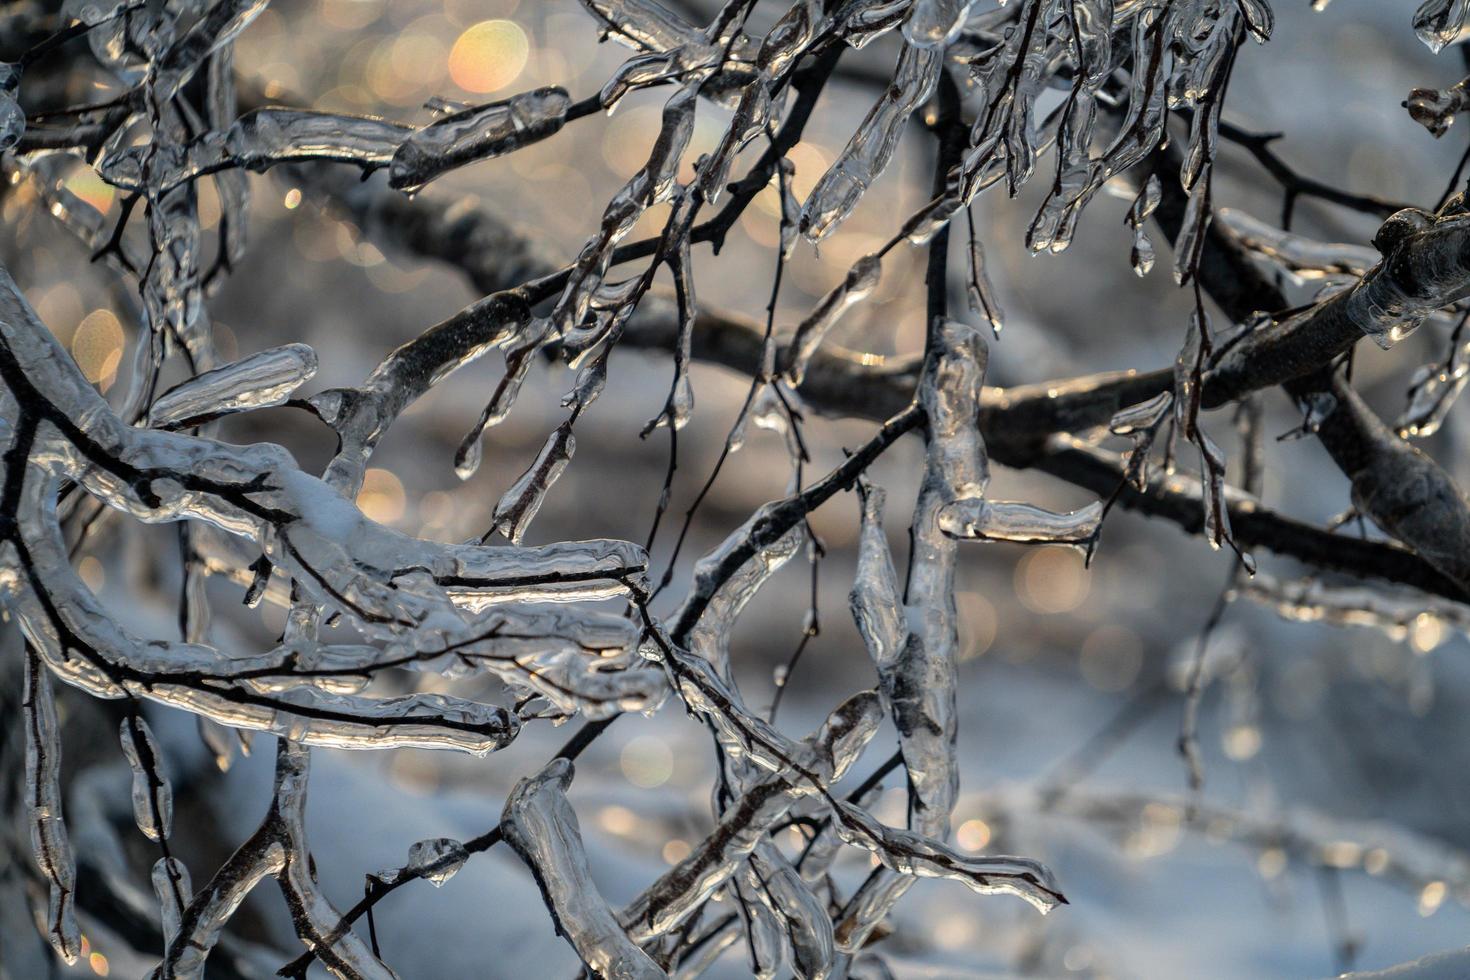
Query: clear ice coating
[172, 886]
[934, 23]
[436, 860]
[541, 826]
[1393, 613]
[477, 133]
[875, 600]
[1433, 391]
[1435, 109]
[806, 769]
[259, 140]
[519, 504]
[255, 381]
[919, 682]
[979, 291]
[1302, 258]
[1440, 23]
[995, 520]
[909, 853]
[49, 840]
[153, 797]
[515, 614]
[871, 147]
[1144, 205]
[860, 281]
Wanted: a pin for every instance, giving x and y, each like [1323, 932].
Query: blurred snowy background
[1336, 810]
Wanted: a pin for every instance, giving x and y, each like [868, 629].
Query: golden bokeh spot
[973, 835]
[1052, 580]
[1241, 742]
[489, 56]
[98, 963]
[1426, 632]
[293, 199]
[676, 850]
[97, 346]
[1271, 863]
[1431, 898]
[1342, 854]
[381, 498]
[955, 930]
[647, 762]
[617, 820]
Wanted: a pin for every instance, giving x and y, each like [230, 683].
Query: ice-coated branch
[49, 840]
[1435, 109]
[541, 826]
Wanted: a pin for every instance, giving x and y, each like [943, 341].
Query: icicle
[1440, 23]
[1191, 241]
[153, 797]
[232, 186]
[1077, 176]
[1433, 392]
[921, 683]
[221, 23]
[870, 149]
[980, 292]
[478, 133]
[1259, 19]
[255, 381]
[875, 600]
[1143, 208]
[1093, 26]
[935, 23]
[821, 758]
[806, 924]
[49, 839]
[1141, 423]
[864, 20]
[518, 362]
[651, 185]
[860, 280]
[171, 884]
[219, 741]
[767, 952]
[1217, 506]
[520, 503]
[541, 826]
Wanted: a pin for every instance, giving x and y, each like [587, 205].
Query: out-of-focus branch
[1177, 499]
[1426, 265]
[1258, 145]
